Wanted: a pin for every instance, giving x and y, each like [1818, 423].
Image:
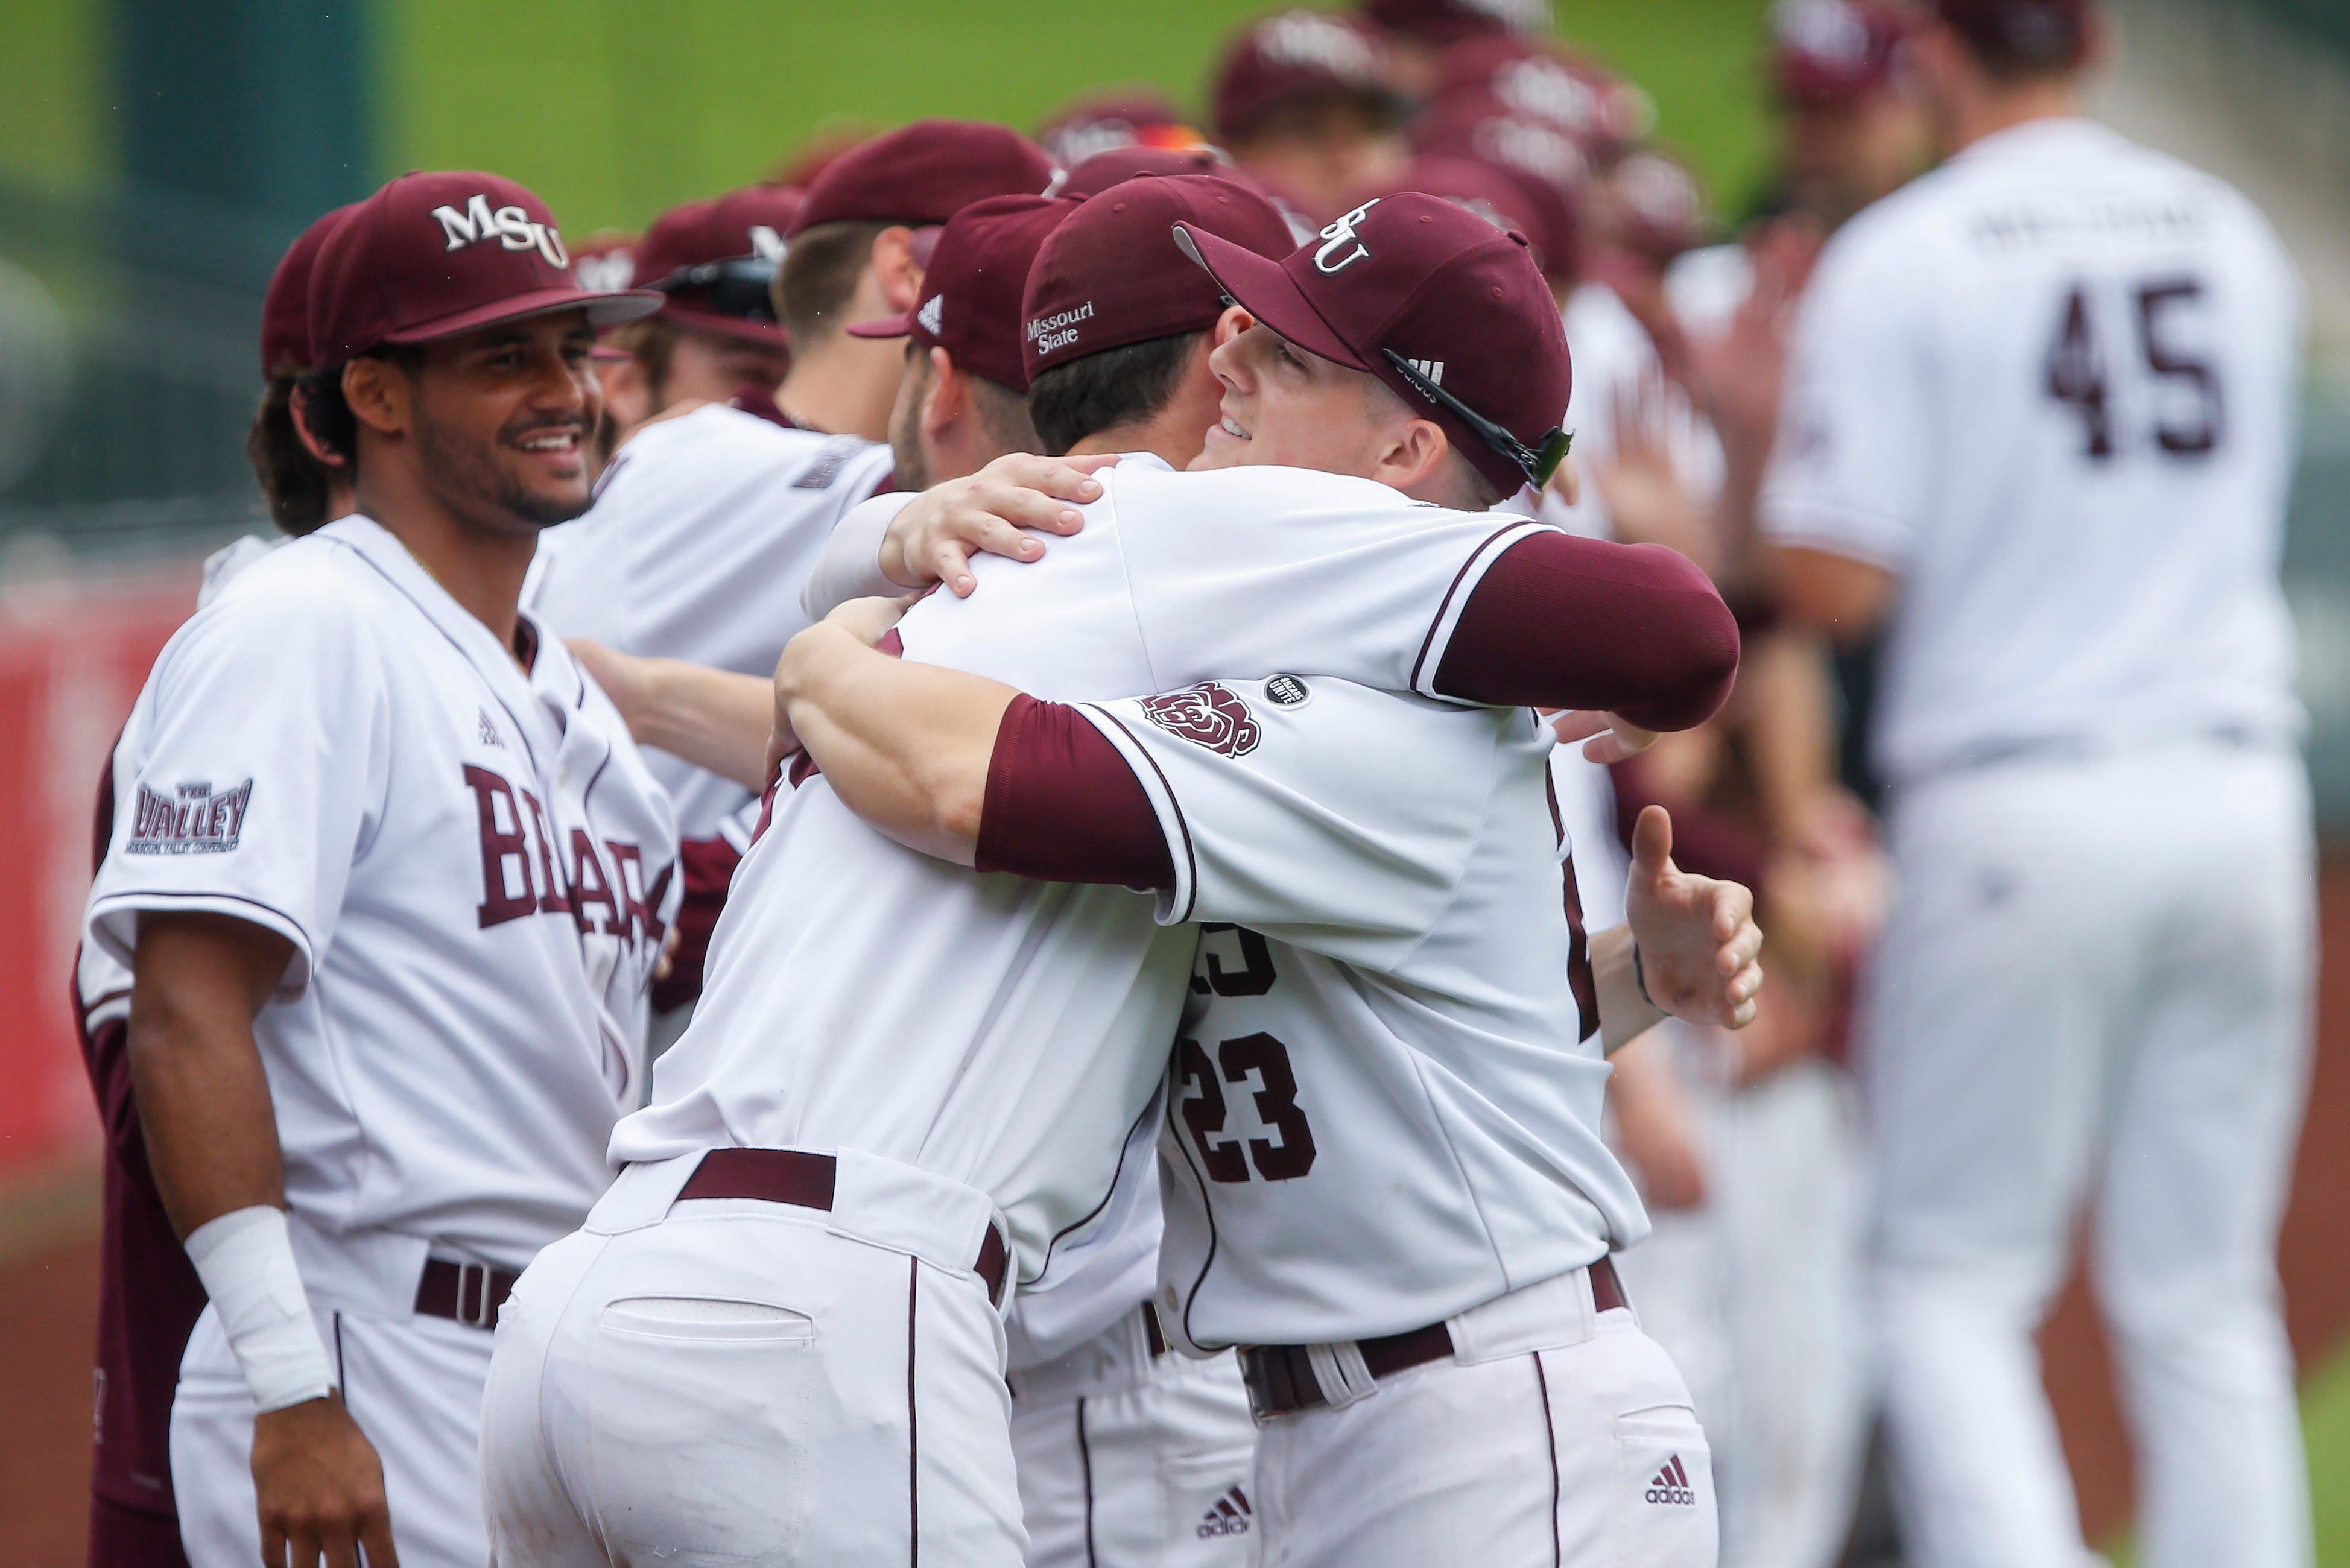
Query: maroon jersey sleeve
[1063, 806]
[1562, 622]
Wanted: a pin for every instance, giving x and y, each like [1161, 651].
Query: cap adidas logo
[1431, 368]
[1672, 1485]
[932, 313]
[1229, 1516]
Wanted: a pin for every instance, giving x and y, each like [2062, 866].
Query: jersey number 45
[2186, 388]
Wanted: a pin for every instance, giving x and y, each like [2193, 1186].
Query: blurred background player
[716, 336]
[2039, 427]
[707, 522]
[1418, 32]
[1099, 122]
[1307, 102]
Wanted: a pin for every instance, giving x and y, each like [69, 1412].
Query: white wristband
[247, 1263]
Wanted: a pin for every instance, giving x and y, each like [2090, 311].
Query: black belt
[1281, 1380]
[806, 1181]
[470, 1294]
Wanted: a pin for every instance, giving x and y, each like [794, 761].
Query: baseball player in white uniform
[1398, 1014]
[391, 883]
[962, 1122]
[2041, 426]
[708, 520]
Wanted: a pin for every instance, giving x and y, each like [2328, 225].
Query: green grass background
[612, 110]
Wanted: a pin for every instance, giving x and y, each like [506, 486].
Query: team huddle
[941, 865]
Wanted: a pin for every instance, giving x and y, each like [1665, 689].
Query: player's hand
[1699, 945]
[666, 960]
[933, 539]
[320, 1488]
[1606, 738]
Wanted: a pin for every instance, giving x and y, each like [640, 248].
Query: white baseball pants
[2095, 980]
[724, 1380]
[1129, 1459]
[414, 1387]
[1556, 1435]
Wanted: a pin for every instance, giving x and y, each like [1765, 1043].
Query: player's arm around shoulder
[893, 543]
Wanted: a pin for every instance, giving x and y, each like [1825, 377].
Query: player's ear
[947, 396]
[379, 393]
[1410, 454]
[1232, 324]
[895, 268]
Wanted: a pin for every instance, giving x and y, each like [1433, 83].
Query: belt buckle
[477, 1276]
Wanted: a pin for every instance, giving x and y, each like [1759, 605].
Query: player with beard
[389, 882]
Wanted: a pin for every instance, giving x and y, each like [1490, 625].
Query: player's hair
[2019, 44]
[329, 417]
[1320, 119]
[1003, 415]
[813, 288]
[296, 485]
[1096, 393]
[653, 342]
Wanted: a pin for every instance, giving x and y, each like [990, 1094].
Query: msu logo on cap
[512, 227]
[1334, 257]
[1207, 714]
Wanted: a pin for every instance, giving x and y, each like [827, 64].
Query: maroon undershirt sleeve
[1063, 806]
[1562, 622]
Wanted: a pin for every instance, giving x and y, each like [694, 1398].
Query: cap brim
[898, 325]
[740, 327]
[603, 310]
[1263, 288]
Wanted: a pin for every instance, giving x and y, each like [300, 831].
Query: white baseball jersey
[703, 529]
[2052, 386]
[474, 868]
[1399, 968]
[1004, 1034]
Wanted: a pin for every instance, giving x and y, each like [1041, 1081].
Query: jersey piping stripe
[913, 1427]
[1550, 1436]
[1207, 1208]
[522, 730]
[1086, 1470]
[132, 896]
[1445, 607]
[1087, 1217]
[1190, 857]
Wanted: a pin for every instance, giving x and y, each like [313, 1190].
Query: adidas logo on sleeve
[1229, 1516]
[1672, 1485]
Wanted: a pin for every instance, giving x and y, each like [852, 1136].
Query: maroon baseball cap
[1131, 118]
[1544, 162]
[605, 261]
[1103, 170]
[712, 260]
[1442, 22]
[924, 174]
[2040, 34]
[1505, 74]
[1112, 276]
[1826, 53]
[1659, 210]
[433, 255]
[286, 308]
[1300, 57]
[1448, 311]
[1478, 187]
[972, 290]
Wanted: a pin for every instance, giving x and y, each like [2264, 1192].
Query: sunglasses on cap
[1536, 463]
[735, 286]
